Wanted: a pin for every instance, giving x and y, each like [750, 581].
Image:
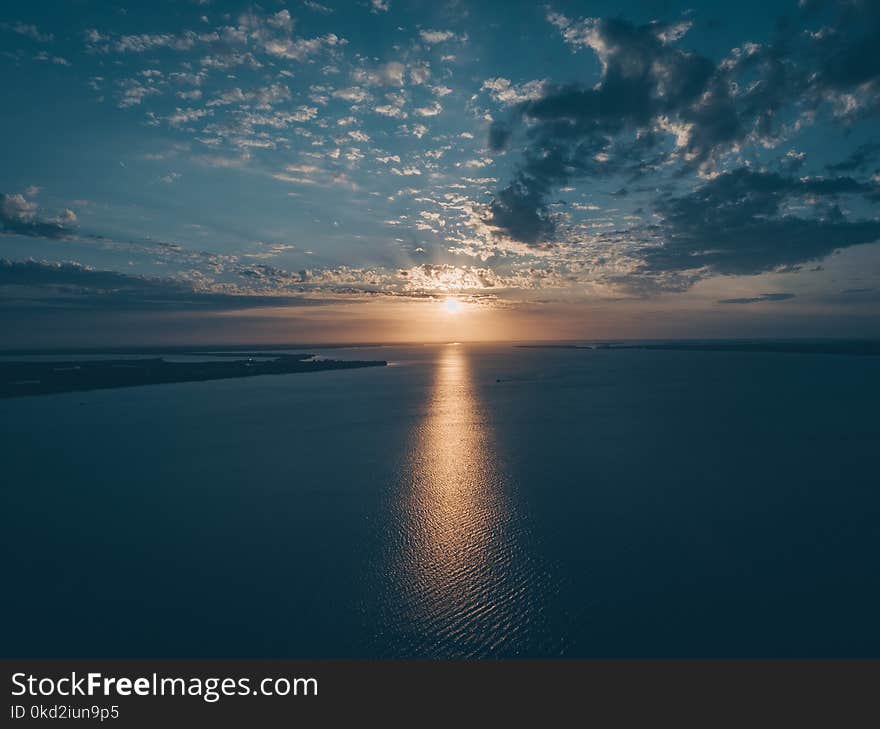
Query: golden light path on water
[464, 583]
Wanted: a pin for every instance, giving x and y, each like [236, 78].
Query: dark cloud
[847, 50]
[499, 136]
[859, 159]
[738, 223]
[758, 299]
[38, 284]
[521, 210]
[652, 89]
[643, 78]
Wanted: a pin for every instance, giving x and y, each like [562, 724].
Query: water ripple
[461, 577]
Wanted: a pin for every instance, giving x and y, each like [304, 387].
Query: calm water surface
[465, 501]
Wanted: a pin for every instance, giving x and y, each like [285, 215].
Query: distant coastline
[869, 348]
[19, 379]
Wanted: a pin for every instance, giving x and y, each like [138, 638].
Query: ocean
[465, 501]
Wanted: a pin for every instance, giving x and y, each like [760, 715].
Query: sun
[452, 305]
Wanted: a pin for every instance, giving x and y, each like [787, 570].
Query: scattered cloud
[656, 158]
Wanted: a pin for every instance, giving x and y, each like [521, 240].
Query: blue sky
[331, 170]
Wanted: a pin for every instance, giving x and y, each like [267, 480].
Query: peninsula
[46, 377]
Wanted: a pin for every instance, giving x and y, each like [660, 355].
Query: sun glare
[452, 305]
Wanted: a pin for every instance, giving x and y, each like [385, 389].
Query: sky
[213, 171]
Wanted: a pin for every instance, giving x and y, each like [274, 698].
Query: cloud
[261, 98]
[520, 209]
[317, 7]
[300, 49]
[143, 42]
[859, 159]
[181, 117]
[57, 60]
[133, 92]
[394, 108]
[445, 277]
[659, 106]
[387, 74]
[29, 31]
[499, 136]
[221, 161]
[846, 53]
[643, 80]
[431, 109]
[37, 284]
[420, 73]
[417, 130]
[21, 216]
[758, 299]
[508, 94]
[743, 222]
[683, 150]
[354, 94]
[432, 37]
[281, 20]
[229, 45]
[230, 59]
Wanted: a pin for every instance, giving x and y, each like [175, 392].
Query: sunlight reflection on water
[465, 584]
